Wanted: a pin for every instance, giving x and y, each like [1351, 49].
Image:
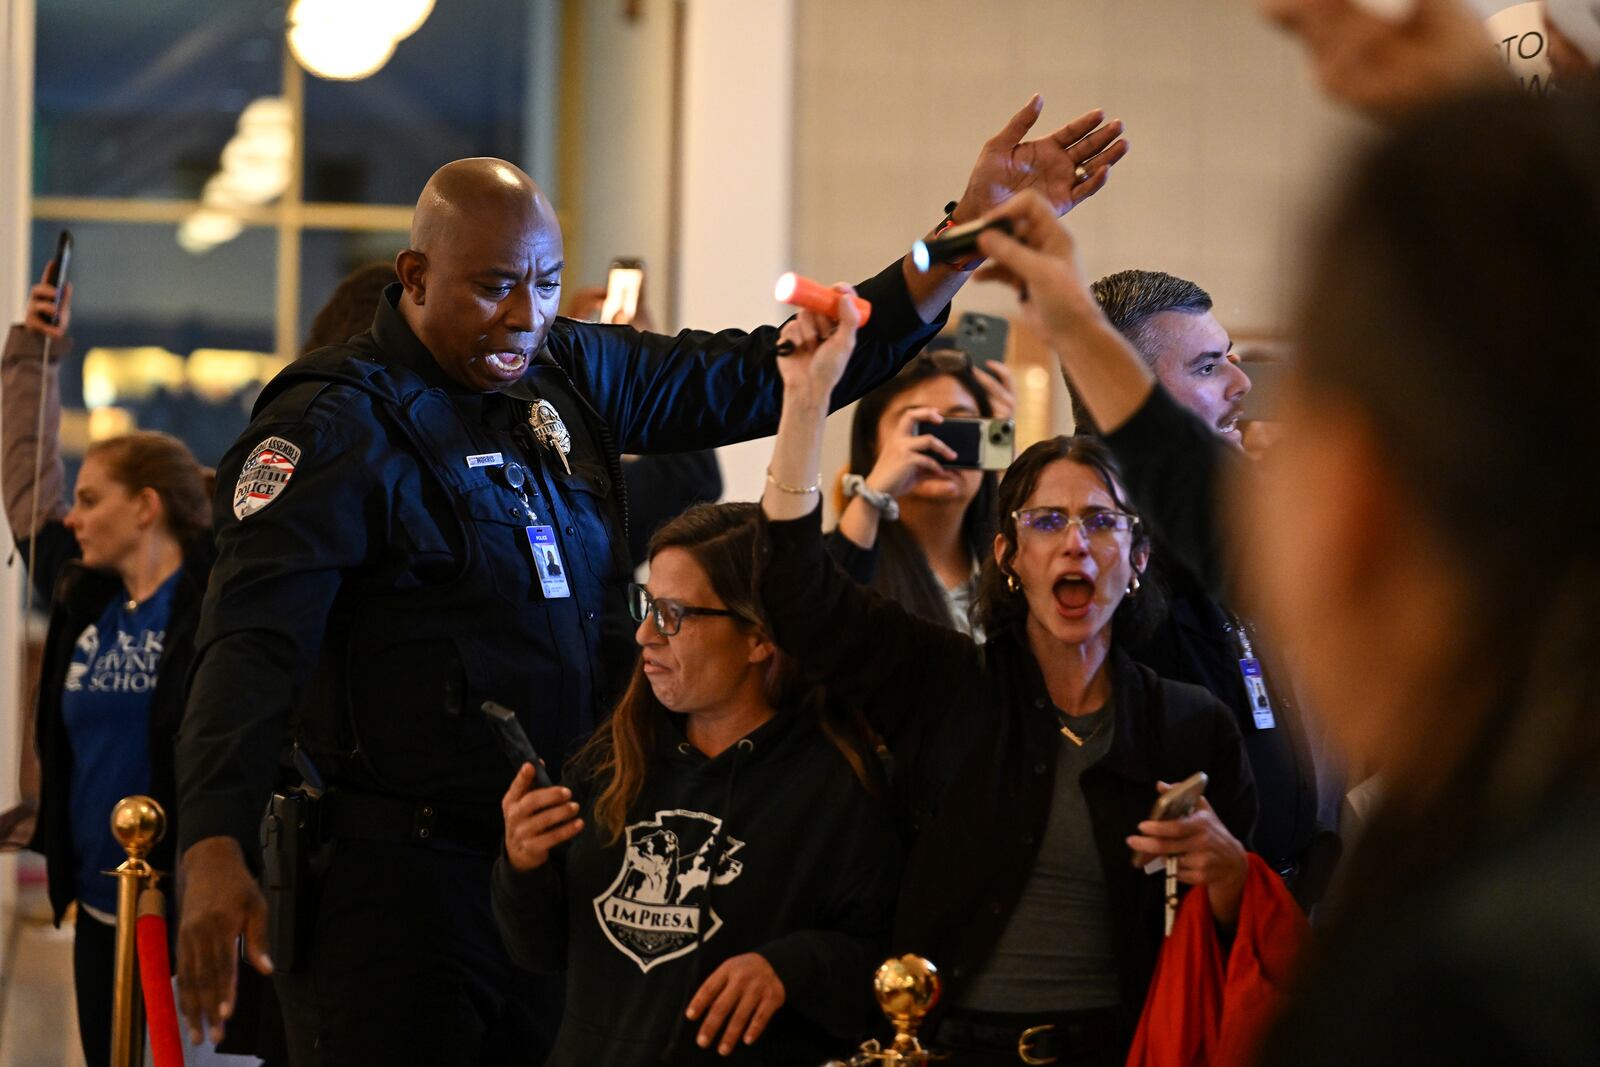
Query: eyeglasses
[668, 614]
[1099, 526]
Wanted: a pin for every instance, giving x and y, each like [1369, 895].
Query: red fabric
[155, 972]
[1207, 1010]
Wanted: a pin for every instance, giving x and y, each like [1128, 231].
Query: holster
[290, 837]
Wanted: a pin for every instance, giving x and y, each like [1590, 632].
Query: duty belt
[372, 817]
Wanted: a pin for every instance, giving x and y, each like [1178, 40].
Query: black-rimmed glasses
[668, 614]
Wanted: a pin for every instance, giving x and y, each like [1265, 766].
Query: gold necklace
[1067, 732]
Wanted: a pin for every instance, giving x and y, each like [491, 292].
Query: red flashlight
[802, 292]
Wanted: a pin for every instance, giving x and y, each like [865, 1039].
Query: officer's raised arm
[700, 389]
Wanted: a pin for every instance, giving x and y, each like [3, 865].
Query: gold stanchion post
[907, 989]
[137, 823]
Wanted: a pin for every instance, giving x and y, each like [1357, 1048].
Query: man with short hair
[1169, 322]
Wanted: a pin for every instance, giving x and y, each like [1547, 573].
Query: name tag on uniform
[487, 459]
[547, 561]
[1255, 687]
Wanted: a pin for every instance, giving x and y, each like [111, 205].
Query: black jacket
[79, 596]
[807, 878]
[385, 587]
[1172, 464]
[974, 738]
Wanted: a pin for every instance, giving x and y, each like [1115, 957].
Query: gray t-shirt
[1057, 952]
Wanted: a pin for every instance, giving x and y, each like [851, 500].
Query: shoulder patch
[265, 473]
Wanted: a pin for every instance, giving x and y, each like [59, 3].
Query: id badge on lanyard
[542, 544]
[547, 562]
[1255, 680]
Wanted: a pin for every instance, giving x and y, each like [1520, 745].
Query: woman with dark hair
[717, 876]
[124, 570]
[1023, 767]
[1425, 536]
[914, 529]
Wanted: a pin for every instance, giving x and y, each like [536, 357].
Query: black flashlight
[955, 245]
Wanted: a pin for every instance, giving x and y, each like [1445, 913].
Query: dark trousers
[94, 957]
[406, 966]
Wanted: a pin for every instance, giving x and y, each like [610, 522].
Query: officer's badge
[550, 431]
[264, 475]
[651, 912]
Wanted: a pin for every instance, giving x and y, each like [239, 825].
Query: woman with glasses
[1024, 767]
[913, 528]
[716, 877]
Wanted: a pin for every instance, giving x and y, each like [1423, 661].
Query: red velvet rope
[155, 972]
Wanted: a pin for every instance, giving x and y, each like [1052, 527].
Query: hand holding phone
[514, 740]
[1179, 801]
[624, 284]
[49, 302]
[978, 444]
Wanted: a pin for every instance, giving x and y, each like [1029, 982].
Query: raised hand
[819, 347]
[42, 305]
[1049, 165]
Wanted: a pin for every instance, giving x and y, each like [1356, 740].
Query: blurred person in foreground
[1425, 536]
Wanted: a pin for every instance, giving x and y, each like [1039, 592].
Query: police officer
[385, 541]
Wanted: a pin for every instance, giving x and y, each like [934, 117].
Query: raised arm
[1171, 462]
[869, 650]
[29, 459]
[700, 390]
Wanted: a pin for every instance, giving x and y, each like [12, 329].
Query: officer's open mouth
[507, 362]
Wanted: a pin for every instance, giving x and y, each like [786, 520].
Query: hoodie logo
[651, 912]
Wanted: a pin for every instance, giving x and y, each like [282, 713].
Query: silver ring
[1081, 173]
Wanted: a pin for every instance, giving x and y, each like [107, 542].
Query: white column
[16, 165]
[736, 201]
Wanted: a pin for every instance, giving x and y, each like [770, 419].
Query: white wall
[613, 196]
[736, 203]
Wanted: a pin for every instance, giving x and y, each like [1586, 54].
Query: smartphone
[623, 284]
[1177, 802]
[979, 444]
[982, 337]
[60, 264]
[514, 740]
[1181, 800]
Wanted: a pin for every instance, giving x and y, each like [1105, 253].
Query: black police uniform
[375, 583]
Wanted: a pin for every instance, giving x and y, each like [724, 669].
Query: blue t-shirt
[111, 680]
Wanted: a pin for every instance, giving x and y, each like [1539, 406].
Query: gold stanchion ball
[138, 823]
[906, 988]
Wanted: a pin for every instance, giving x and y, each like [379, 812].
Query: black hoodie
[806, 870]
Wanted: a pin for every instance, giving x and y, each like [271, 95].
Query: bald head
[483, 274]
[474, 192]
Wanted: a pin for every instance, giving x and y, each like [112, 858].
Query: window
[217, 192]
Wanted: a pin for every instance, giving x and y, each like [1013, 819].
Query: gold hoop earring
[1011, 583]
[1133, 586]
